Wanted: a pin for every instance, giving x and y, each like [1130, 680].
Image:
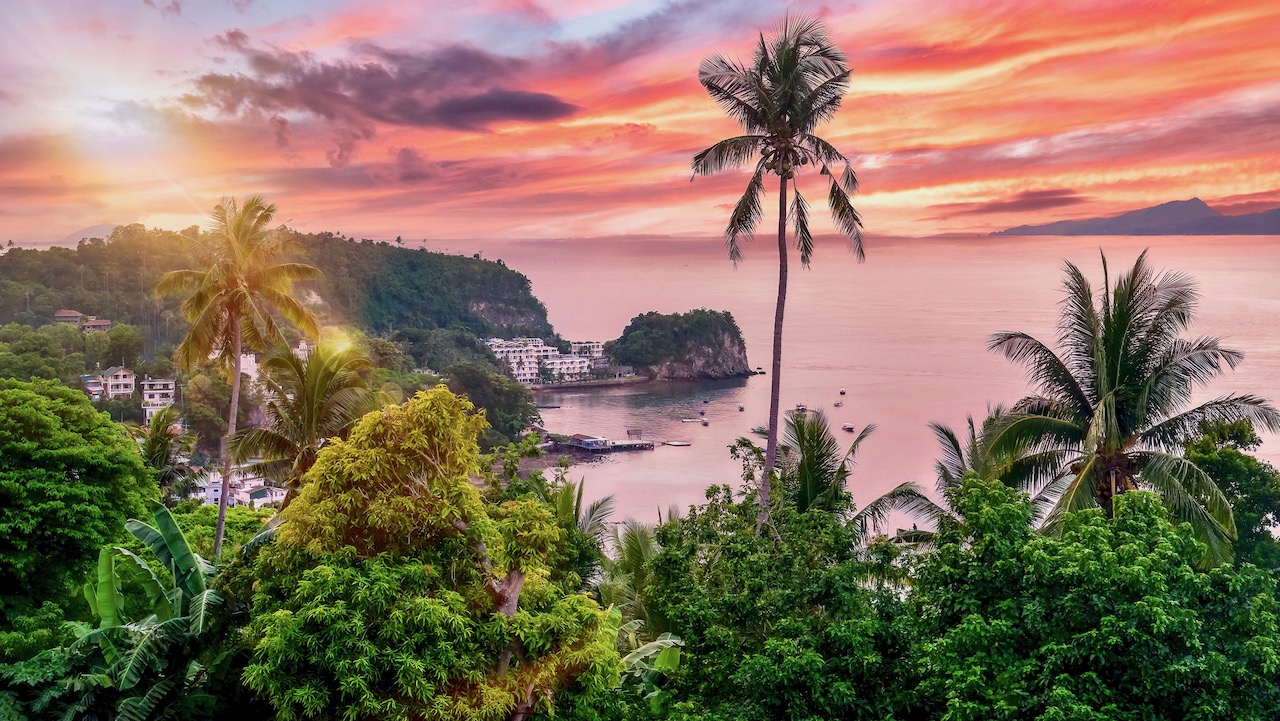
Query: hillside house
[157, 394]
[119, 382]
[68, 317]
[93, 324]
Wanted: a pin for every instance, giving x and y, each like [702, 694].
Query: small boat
[741, 408]
[849, 427]
[837, 404]
[841, 391]
[678, 444]
[706, 422]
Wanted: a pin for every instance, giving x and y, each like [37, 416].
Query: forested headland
[422, 315]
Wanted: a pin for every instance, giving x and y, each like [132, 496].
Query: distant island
[1179, 217]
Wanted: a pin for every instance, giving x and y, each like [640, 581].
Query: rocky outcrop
[698, 345]
[722, 357]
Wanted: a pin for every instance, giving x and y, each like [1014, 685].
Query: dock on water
[596, 444]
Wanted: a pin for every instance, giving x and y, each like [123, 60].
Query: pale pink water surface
[904, 333]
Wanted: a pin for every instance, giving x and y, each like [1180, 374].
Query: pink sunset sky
[550, 118]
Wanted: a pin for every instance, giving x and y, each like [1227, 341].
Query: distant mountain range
[1180, 217]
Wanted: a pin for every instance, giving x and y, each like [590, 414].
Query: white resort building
[587, 348]
[524, 356]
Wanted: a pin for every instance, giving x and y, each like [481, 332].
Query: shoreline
[630, 380]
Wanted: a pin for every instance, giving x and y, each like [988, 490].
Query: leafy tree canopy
[395, 590]
[1252, 486]
[1109, 621]
[69, 478]
[776, 624]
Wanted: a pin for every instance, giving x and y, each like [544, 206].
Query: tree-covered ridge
[383, 287]
[375, 285]
[653, 338]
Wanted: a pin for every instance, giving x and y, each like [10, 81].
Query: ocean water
[904, 333]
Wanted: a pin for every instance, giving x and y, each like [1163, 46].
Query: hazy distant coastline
[1179, 217]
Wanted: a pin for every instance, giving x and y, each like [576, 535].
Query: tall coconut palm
[231, 298]
[1111, 401]
[166, 448]
[795, 81]
[311, 401]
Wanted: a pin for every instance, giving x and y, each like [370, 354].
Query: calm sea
[904, 333]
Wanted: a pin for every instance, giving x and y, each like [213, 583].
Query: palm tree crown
[239, 285]
[814, 472]
[166, 448]
[1110, 410]
[795, 81]
[311, 401]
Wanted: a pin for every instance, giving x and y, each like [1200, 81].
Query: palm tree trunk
[231, 431]
[771, 446]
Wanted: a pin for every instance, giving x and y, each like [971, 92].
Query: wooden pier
[595, 444]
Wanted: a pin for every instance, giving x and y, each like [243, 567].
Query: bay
[904, 333]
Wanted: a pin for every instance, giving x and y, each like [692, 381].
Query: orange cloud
[509, 118]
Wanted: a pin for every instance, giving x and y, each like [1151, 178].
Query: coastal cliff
[698, 345]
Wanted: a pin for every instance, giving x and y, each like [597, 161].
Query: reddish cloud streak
[517, 119]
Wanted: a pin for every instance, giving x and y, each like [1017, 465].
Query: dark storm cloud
[1025, 201]
[456, 87]
[477, 111]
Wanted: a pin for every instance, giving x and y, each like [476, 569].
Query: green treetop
[69, 479]
[395, 590]
[1112, 620]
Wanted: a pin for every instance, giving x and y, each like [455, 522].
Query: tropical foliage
[795, 81]
[775, 625]
[458, 615]
[1110, 413]
[230, 302]
[1109, 620]
[69, 478]
[157, 661]
[1252, 487]
[166, 449]
[312, 400]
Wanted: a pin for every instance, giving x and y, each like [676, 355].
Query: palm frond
[1173, 433]
[907, 498]
[1191, 496]
[746, 215]
[1044, 368]
[728, 154]
[846, 218]
[800, 220]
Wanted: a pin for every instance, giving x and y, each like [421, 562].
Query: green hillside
[376, 286]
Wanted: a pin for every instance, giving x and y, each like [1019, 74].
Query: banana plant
[648, 662]
[154, 663]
